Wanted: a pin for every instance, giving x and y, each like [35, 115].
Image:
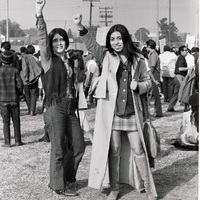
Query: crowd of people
[113, 78]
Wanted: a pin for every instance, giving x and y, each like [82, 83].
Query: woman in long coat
[118, 152]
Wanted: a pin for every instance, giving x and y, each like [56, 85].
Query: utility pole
[91, 5]
[7, 31]
[0, 35]
[106, 14]
[197, 27]
[157, 38]
[169, 22]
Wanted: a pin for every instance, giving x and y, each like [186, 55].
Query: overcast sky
[134, 14]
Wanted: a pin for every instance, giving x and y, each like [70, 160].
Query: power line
[106, 13]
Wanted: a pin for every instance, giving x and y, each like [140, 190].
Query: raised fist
[77, 19]
[39, 6]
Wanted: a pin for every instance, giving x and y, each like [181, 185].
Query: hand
[133, 85]
[191, 67]
[77, 18]
[39, 6]
[78, 21]
[157, 82]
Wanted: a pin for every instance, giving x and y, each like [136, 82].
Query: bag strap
[148, 103]
[147, 93]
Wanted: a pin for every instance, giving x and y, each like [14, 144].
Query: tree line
[142, 34]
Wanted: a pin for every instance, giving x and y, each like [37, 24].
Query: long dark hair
[62, 33]
[129, 49]
[76, 54]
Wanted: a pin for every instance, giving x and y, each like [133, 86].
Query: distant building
[2, 39]
[152, 36]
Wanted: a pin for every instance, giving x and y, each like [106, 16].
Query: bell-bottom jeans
[67, 143]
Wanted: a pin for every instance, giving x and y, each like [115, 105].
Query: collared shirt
[167, 63]
[124, 102]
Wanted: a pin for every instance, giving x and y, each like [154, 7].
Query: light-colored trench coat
[106, 93]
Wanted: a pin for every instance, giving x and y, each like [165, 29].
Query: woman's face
[116, 41]
[58, 44]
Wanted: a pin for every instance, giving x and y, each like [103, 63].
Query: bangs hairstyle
[129, 49]
[62, 33]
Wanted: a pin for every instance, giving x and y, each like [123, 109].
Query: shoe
[19, 143]
[171, 110]
[113, 195]
[6, 145]
[151, 197]
[66, 192]
[44, 139]
[157, 116]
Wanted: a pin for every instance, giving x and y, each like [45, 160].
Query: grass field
[24, 170]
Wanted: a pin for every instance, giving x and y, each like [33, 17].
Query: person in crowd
[22, 51]
[66, 137]
[167, 65]
[187, 87]
[10, 90]
[21, 55]
[189, 132]
[31, 71]
[76, 56]
[173, 49]
[146, 97]
[190, 59]
[197, 76]
[188, 137]
[145, 54]
[37, 54]
[45, 137]
[180, 73]
[195, 53]
[5, 46]
[154, 65]
[40, 93]
[118, 141]
[92, 73]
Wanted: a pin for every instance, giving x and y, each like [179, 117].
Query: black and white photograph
[99, 99]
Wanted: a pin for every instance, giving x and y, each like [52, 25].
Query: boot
[142, 166]
[114, 177]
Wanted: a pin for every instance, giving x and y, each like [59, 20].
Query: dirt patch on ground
[24, 170]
